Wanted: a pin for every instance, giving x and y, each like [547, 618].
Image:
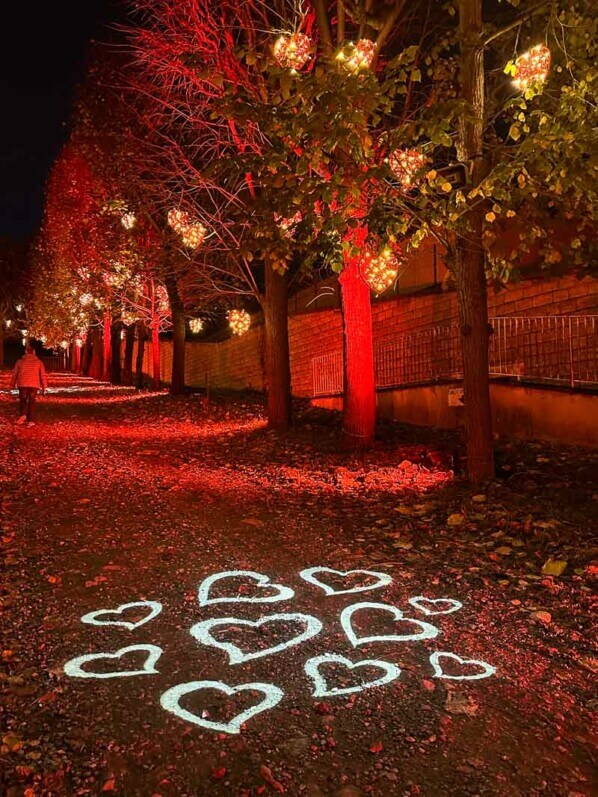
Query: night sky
[42, 55]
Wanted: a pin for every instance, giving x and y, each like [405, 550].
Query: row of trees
[242, 146]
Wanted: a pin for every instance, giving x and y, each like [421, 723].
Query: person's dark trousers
[27, 402]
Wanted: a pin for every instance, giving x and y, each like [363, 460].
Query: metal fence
[560, 350]
[55, 362]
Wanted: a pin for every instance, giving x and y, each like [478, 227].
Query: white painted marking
[92, 618]
[202, 633]
[170, 700]
[312, 668]
[73, 668]
[420, 601]
[308, 575]
[263, 582]
[427, 631]
[488, 669]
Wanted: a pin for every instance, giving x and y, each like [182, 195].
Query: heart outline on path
[155, 609]
[312, 670]
[439, 672]
[73, 667]
[201, 633]
[284, 593]
[308, 575]
[170, 701]
[428, 631]
[416, 602]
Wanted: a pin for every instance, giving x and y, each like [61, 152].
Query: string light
[128, 318]
[178, 219]
[381, 270]
[356, 57]
[85, 299]
[193, 235]
[195, 325]
[531, 68]
[405, 164]
[292, 51]
[128, 220]
[239, 321]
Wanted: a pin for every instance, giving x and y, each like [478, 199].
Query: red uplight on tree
[239, 321]
[531, 68]
[292, 51]
[406, 165]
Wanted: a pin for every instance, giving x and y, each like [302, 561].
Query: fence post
[571, 369]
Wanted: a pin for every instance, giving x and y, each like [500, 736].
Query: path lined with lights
[203, 605]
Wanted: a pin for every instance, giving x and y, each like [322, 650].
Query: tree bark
[1, 346]
[95, 361]
[115, 376]
[177, 379]
[278, 369]
[155, 357]
[470, 273]
[107, 346]
[87, 353]
[141, 335]
[127, 375]
[359, 395]
[77, 351]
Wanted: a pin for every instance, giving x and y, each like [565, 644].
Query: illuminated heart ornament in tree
[424, 630]
[171, 701]
[73, 668]
[532, 67]
[486, 669]
[381, 270]
[239, 321]
[292, 51]
[357, 56]
[309, 575]
[407, 165]
[195, 325]
[202, 632]
[321, 687]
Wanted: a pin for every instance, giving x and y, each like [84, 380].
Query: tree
[13, 288]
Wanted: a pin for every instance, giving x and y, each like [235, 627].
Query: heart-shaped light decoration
[487, 669]
[426, 631]
[73, 668]
[202, 632]
[426, 605]
[312, 668]
[93, 618]
[263, 582]
[382, 579]
[170, 701]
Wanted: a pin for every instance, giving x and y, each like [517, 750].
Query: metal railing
[560, 350]
[55, 362]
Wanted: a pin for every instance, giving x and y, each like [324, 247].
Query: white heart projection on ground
[310, 627]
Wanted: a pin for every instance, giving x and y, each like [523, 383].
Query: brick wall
[238, 362]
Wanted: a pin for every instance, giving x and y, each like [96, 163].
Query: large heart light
[487, 669]
[312, 668]
[73, 668]
[382, 579]
[170, 700]
[93, 618]
[202, 632]
[263, 582]
[427, 605]
[426, 630]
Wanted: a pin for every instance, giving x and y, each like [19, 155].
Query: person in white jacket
[29, 376]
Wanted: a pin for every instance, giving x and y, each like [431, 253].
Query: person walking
[29, 376]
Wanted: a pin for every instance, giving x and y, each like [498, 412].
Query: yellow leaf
[554, 567]
[446, 187]
[490, 216]
[510, 214]
[455, 520]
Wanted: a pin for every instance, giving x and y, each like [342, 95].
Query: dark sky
[42, 53]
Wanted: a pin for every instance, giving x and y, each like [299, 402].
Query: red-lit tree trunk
[141, 336]
[1, 346]
[177, 379]
[278, 372]
[107, 346]
[127, 375]
[155, 357]
[87, 352]
[95, 361]
[78, 349]
[359, 396]
[115, 370]
[470, 273]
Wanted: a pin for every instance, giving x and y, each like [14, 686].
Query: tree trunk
[141, 335]
[155, 357]
[107, 346]
[278, 370]
[1, 346]
[127, 376]
[470, 274]
[115, 354]
[87, 353]
[177, 379]
[77, 351]
[359, 395]
[95, 361]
